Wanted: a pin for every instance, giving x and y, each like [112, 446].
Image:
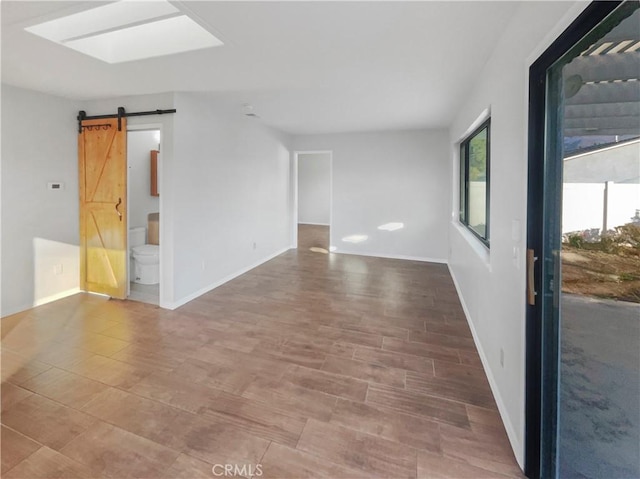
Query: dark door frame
[541, 417]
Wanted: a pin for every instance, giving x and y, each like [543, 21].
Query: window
[474, 182]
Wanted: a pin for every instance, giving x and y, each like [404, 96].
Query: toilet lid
[146, 249]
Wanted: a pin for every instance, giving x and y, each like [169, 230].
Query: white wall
[141, 203]
[40, 227]
[583, 205]
[314, 188]
[492, 284]
[619, 163]
[231, 203]
[41, 230]
[225, 186]
[388, 177]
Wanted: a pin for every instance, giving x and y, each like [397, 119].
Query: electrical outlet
[501, 357]
[203, 266]
[57, 269]
[255, 245]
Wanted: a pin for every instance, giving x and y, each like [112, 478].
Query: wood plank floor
[311, 365]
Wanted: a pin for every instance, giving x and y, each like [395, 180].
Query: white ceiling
[306, 67]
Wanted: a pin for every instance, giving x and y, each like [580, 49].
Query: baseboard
[313, 224]
[516, 445]
[226, 279]
[396, 256]
[55, 297]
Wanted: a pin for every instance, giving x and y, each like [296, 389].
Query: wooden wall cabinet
[154, 173]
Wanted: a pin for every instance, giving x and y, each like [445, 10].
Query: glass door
[589, 258]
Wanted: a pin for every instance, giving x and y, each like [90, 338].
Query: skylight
[127, 30]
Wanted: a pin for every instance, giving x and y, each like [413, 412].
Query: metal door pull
[531, 287]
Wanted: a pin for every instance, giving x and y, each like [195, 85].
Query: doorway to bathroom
[143, 170]
[312, 215]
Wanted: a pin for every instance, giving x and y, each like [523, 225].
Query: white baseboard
[313, 224]
[516, 445]
[55, 297]
[206, 289]
[396, 256]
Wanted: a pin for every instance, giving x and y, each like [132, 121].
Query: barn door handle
[117, 208]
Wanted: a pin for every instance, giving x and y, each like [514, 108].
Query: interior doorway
[313, 205]
[143, 169]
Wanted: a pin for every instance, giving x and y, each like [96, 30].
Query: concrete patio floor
[600, 389]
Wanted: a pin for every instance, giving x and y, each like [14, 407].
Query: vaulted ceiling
[305, 67]
[315, 67]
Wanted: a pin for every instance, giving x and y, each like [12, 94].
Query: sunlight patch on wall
[56, 270]
[391, 226]
[355, 239]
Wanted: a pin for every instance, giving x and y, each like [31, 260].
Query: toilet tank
[137, 236]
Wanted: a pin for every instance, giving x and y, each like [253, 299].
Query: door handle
[531, 286]
[118, 208]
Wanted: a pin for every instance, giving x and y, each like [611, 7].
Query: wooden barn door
[103, 207]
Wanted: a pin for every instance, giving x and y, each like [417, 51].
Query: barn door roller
[82, 115]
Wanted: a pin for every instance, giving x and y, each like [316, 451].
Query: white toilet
[144, 258]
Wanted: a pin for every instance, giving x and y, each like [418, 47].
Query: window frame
[463, 194]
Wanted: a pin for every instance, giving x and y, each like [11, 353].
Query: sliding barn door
[103, 207]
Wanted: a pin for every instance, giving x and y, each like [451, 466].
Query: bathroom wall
[314, 188]
[231, 184]
[40, 226]
[141, 203]
[385, 177]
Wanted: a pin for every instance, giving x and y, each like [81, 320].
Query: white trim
[396, 256]
[162, 235]
[294, 189]
[206, 289]
[482, 117]
[313, 224]
[294, 200]
[145, 127]
[516, 445]
[56, 297]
